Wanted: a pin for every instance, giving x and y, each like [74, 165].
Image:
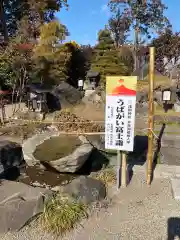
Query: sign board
[120, 112]
[166, 95]
[80, 83]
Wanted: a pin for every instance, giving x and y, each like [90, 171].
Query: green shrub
[61, 214]
[107, 176]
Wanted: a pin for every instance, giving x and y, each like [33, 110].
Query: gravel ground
[137, 212]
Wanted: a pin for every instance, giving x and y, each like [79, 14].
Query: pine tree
[106, 59]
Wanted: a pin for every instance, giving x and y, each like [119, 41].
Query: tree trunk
[3, 21]
[136, 42]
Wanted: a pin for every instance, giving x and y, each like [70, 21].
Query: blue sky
[86, 17]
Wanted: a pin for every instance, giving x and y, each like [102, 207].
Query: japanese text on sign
[120, 113]
[120, 122]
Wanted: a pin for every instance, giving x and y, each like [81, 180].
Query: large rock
[74, 161]
[71, 163]
[67, 94]
[19, 203]
[11, 158]
[86, 189]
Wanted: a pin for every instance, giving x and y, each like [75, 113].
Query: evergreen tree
[106, 59]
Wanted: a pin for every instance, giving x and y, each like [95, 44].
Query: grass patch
[168, 133]
[56, 147]
[62, 214]
[142, 85]
[170, 113]
[107, 176]
[159, 110]
[157, 133]
[159, 123]
[159, 80]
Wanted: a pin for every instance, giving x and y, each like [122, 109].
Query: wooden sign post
[119, 164]
[124, 173]
[151, 116]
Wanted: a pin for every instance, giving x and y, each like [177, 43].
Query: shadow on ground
[95, 163]
[157, 152]
[173, 228]
[139, 154]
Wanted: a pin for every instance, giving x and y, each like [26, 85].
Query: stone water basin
[62, 153]
[54, 159]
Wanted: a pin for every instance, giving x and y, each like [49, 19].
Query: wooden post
[124, 170]
[151, 115]
[118, 169]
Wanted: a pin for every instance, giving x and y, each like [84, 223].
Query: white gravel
[138, 212]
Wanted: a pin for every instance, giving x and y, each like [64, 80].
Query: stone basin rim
[29, 146]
